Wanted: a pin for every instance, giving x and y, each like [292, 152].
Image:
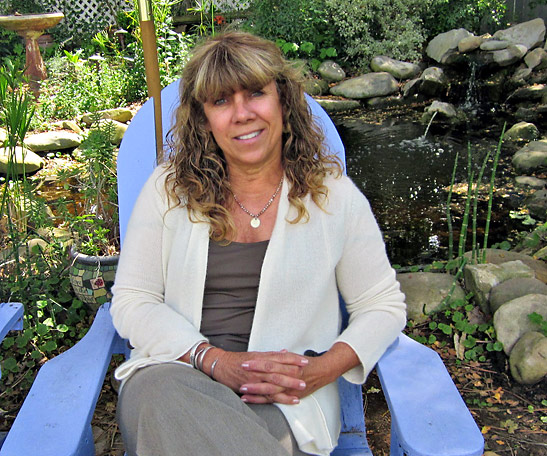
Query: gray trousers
[174, 410]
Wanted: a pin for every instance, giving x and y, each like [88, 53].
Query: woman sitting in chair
[227, 286]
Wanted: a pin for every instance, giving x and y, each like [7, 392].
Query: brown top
[231, 289]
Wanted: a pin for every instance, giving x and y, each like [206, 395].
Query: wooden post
[149, 46]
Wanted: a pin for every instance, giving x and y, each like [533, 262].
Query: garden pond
[406, 174]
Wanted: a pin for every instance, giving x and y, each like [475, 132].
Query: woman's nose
[242, 110]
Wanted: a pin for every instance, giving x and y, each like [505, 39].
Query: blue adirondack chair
[11, 318]
[428, 415]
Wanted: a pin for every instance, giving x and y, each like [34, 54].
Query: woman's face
[247, 126]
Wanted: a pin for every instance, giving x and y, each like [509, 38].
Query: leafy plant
[538, 319]
[33, 264]
[367, 28]
[301, 29]
[473, 15]
[96, 226]
[471, 202]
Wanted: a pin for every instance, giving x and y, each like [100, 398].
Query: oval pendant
[255, 222]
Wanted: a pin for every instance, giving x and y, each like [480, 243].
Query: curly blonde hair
[198, 176]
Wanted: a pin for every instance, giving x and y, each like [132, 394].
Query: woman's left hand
[319, 372]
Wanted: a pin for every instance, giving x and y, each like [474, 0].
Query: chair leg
[395, 448]
[88, 444]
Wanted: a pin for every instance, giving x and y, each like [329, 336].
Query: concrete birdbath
[31, 27]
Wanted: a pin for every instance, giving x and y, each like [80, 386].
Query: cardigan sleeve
[138, 309]
[367, 283]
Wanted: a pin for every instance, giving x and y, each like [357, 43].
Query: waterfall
[471, 100]
[429, 125]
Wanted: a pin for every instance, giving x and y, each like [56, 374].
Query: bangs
[225, 70]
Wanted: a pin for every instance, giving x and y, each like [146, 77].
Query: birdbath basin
[31, 27]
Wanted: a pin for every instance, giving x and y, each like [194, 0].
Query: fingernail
[245, 365]
[302, 385]
[244, 399]
[296, 401]
[304, 361]
[244, 389]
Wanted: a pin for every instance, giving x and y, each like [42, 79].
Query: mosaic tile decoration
[92, 283]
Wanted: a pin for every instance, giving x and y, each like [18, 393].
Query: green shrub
[77, 86]
[377, 27]
[474, 15]
[302, 28]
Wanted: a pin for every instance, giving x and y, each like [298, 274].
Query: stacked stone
[65, 136]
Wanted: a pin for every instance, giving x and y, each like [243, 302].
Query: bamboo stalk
[149, 46]
[448, 211]
[491, 192]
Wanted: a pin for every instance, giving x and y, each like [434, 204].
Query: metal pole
[148, 35]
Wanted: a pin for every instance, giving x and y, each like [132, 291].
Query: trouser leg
[173, 410]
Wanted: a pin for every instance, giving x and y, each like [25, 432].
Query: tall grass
[471, 201]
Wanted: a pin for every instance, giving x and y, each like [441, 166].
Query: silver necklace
[255, 221]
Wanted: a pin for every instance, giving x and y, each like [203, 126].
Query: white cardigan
[158, 292]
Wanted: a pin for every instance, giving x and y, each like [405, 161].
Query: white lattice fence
[85, 17]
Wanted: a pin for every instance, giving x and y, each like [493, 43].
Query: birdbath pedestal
[31, 27]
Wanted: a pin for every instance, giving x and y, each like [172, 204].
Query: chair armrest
[428, 415]
[56, 415]
[11, 317]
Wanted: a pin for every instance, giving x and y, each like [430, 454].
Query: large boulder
[118, 129]
[315, 87]
[397, 68]
[53, 140]
[530, 182]
[513, 289]
[470, 43]
[499, 256]
[122, 115]
[494, 45]
[511, 320]
[533, 93]
[481, 278]
[530, 34]
[332, 106]
[528, 360]
[522, 131]
[366, 86]
[537, 204]
[440, 47]
[532, 157]
[536, 59]
[426, 291]
[441, 109]
[27, 161]
[330, 71]
[433, 81]
[514, 53]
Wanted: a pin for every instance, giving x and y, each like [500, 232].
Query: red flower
[219, 20]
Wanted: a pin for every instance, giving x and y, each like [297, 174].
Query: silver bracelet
[193, 351]
[213, 369]
[201, 357]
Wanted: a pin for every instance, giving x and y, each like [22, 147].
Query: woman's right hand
[281, 371]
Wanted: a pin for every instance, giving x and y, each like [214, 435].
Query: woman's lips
[252, 135]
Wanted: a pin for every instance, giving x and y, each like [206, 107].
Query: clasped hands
[267, 377]
[278, 376]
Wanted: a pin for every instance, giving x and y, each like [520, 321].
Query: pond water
[406, 178]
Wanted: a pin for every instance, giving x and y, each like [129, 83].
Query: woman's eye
[219, 101]
[257, 93]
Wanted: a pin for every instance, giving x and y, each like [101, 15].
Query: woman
[231, 267]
